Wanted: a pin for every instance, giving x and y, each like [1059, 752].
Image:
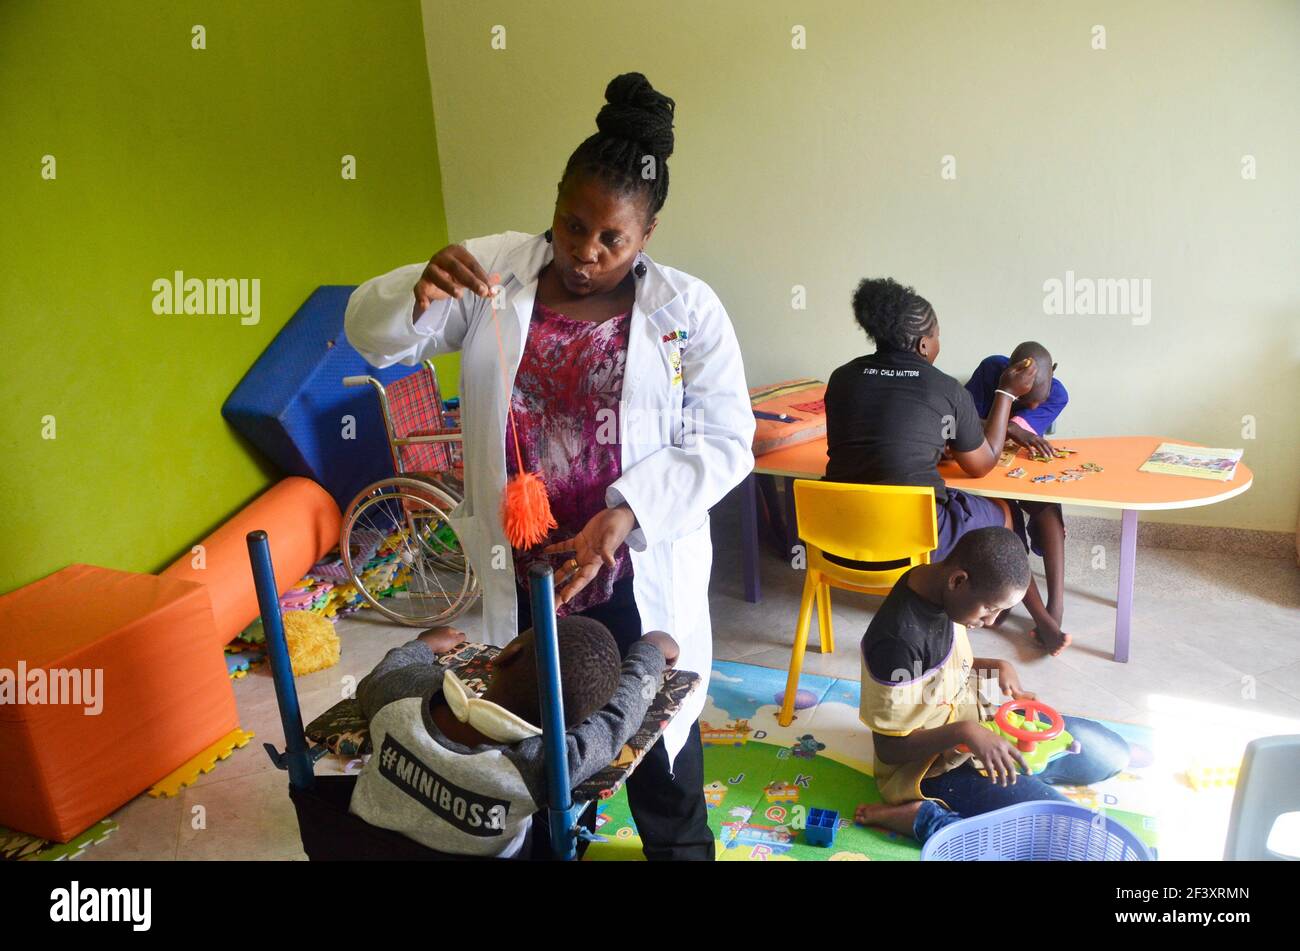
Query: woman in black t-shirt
[890, 415]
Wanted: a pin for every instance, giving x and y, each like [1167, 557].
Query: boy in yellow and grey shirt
[922, 697]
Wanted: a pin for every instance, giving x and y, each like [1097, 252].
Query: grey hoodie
[475, 800]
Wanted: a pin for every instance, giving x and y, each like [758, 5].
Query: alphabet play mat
[769, 788]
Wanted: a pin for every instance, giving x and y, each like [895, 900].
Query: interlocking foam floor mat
[762, 779]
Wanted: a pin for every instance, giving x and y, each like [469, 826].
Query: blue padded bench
[291, 402]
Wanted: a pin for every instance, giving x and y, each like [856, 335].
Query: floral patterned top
[566, 405]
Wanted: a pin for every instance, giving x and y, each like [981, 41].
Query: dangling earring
[639, 270]
[547, 235]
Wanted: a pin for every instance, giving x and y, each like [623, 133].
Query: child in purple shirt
[1040, 524]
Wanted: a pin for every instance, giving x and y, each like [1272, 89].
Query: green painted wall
[220, 162]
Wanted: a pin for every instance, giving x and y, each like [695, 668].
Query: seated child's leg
[930, 818]
[1103, 753]
[1046, 633]
[919, 819]
[1047, 529]
[1039, 525]
[968, 792]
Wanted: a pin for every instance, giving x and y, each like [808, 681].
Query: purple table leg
[749, 538]
[1124, 601]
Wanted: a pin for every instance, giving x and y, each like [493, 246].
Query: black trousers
[668, 807]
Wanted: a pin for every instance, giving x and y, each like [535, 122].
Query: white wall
[820, 166]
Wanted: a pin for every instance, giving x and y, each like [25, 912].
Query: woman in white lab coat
[628, 394]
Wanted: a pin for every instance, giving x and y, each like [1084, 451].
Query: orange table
[1120, 486]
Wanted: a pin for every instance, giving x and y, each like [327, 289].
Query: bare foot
[1053, 643]
[900, 818]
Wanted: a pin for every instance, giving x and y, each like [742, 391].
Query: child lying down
[464, 775]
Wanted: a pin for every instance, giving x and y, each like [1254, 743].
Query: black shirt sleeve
[970, 430]
[836, 411]
[893, 660]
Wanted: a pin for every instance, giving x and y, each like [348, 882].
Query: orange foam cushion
[164, 693]
[302, 522]
[793, 398]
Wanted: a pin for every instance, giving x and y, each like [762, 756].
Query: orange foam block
[302, 522]
[109, 680]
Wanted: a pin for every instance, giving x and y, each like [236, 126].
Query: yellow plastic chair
[857, 523]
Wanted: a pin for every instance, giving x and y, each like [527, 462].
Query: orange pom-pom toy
[525, 508]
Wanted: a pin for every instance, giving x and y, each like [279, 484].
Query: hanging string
[525, 508]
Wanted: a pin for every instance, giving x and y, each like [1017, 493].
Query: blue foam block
[291, 402]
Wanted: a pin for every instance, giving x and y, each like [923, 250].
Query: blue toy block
[821, 827]
[291, 402]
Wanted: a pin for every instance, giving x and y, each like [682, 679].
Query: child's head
[1043, 381]
[896, 317]
[589, 671]
[986, 572]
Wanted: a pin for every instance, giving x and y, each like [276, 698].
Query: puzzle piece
[239, 664]
[1069, 477]
[20, 847]
[1058, 452]
[206, 761]
[1017, 473]
[1092, 467]
[1043, 478]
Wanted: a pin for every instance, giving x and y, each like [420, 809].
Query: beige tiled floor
[1223, 630]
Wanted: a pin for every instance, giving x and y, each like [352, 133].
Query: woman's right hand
[449, 273]
[1019, 379]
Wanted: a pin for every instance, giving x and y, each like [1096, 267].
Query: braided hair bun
[637, 112]
[630, 150]
[894, 316]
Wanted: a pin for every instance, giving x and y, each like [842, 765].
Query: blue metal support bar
[562, 814]
[296, 757]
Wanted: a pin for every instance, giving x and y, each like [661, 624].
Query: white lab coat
[671, 473]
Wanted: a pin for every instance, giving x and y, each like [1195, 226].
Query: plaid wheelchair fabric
[415, 408]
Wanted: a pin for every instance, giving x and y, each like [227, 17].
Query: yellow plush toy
[313, 643]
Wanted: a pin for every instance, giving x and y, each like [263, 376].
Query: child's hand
[1031, 441]
[667, 646]
[442, 640]
[999, 756]
[1019, 378]
[1009, 682]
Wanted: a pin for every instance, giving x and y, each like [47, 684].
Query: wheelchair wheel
[403, 555]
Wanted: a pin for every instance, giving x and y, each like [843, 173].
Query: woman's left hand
[593, 547]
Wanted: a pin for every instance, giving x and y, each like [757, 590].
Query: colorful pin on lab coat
[675, 355]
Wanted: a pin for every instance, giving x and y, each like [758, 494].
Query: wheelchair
[329, 831]
[397, 542]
